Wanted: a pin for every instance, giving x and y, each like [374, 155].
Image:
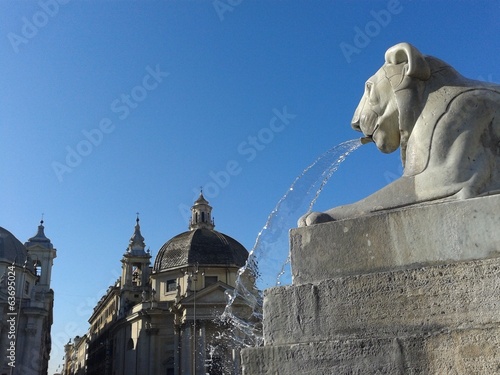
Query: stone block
[409, 237]
[462, 295]
[467, 351]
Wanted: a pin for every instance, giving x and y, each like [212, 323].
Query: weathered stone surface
[385, 305]
[410, 237]
[469, 351]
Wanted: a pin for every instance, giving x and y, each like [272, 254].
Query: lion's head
[392, 99]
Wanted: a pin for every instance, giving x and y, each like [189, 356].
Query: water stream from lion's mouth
[268, 263]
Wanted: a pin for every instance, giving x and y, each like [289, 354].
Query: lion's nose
[355, 124]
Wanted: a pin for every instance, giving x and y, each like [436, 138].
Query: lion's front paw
[314, 218]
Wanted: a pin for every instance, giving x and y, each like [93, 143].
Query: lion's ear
[416, 66]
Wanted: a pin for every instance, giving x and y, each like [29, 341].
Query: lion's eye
[371, 94]
[368, 88]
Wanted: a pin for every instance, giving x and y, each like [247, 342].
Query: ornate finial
[41, 221]
[137, 219]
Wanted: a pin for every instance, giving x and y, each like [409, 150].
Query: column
[186, 351]
[200, 349]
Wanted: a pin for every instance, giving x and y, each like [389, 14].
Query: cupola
[201, 214]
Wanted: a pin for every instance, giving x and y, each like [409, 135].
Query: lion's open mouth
[369, 137]
[365, 140]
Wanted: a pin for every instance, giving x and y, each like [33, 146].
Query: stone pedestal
[412, 291]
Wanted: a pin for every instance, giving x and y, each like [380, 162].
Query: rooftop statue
[447, 127]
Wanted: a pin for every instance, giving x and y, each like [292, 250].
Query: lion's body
[455, 145]
[447, 126]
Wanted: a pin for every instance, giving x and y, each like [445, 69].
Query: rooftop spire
[201, 214]
[40, 238]
[136, 243]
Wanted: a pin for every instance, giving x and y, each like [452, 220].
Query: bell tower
[36, 318]
[135, 262]
[42, 253]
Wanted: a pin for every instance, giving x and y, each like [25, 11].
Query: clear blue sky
[108, 108]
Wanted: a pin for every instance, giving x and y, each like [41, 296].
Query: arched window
[38, 270]
[136, 275]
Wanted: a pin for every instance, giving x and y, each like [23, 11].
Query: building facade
[76, 356]
[161, 317]
[26, 303]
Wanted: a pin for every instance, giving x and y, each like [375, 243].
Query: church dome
[200, 245]
[11, 249]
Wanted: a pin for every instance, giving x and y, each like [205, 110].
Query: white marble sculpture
[447, 126]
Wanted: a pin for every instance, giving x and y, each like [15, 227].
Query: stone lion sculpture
[447, 126]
